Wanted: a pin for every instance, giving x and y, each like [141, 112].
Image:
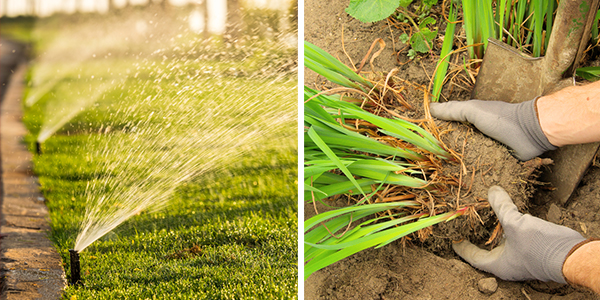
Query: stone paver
[31, 268]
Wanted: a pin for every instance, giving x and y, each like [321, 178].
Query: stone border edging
[30, 266]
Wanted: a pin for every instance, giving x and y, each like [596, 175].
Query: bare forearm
[572, 115]
[582, 267]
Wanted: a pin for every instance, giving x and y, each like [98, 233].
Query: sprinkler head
[75, 268]
[38, 148]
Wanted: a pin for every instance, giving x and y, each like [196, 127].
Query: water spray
[75, 267]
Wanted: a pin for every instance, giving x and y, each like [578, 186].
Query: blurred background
[211, 16]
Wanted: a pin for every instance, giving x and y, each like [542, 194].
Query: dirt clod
[554, 214]
[488, 285]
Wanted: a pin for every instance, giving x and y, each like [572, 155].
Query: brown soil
[429, 269]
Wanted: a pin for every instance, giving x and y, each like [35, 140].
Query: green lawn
[243, 221]
[221, 226]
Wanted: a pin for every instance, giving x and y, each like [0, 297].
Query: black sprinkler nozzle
[38, 148]
[75, 268]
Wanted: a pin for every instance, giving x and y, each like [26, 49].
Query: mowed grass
[228, 233]
[18, 28]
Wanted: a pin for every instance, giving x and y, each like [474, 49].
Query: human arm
[582, 267]
[569, 116]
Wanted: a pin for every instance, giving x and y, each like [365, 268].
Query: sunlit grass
[243, 219]
[19, 28]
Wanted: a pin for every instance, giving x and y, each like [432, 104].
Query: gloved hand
[515, 125]
[532, 248]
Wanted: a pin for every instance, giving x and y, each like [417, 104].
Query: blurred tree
[30, 7]
[234, 20]
[204, 9]
[294, 14]
[163, 3]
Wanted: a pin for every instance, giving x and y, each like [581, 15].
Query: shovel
[511, 76]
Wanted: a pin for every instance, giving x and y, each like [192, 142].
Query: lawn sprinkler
[75, 267]
[38, 147]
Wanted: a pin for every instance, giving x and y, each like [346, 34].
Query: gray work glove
[515, 125]
[532, 248]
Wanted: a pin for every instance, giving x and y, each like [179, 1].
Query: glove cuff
[530, 124]
[577, 246]
[555, 258]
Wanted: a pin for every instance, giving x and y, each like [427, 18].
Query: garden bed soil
[429, 269]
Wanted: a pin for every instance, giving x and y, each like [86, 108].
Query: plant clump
[392, 167]
[399, 175]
